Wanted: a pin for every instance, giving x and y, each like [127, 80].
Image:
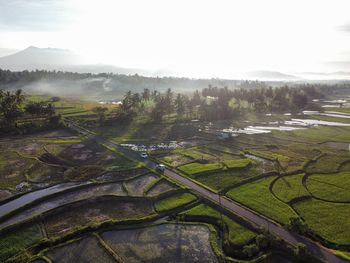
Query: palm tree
[19, 97]
[146, 94]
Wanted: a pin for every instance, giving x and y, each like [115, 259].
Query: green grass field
[196, 168]
[195, 154]
[289, 187]
[328, 163]
[317, 134]
[329, 220]
[332, 187]
[225, 178]
[237, 164]
[174, 202]
[256, 195]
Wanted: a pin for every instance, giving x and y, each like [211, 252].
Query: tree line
[212, 103]
[18, 115]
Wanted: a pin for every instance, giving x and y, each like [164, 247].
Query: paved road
[313, 247]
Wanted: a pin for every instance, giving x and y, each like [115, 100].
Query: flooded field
[87, 250]
[160, 187]
[97, 210]
[137, 187]
[171, 243]
[30, 197]
[52, 203]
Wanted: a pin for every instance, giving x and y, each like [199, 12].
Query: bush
[262, 241]
[300, 250]
[250, 250]
[296, 224]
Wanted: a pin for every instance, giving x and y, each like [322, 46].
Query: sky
[199, 38]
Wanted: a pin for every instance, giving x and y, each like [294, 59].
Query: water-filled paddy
[162, 243]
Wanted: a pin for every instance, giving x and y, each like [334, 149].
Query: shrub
[250, 250]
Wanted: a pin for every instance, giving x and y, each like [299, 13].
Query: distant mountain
[269, 75]
[33, 58]
[39, 58]
[336, 75]
[7, 51]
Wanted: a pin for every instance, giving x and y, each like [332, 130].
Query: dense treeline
[108, 84]
[212, 103]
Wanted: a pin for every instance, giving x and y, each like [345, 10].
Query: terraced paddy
[256, 195]
[87, 249]
[95, 211]
[330, 187]
[236, 235]
[159, 187]
[162, 243]
[329, 220]
[54, 202]
[288, 188]
[226, 178]
[137, 187]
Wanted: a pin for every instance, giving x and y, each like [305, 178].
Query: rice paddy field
[112, 208]
[163, 243]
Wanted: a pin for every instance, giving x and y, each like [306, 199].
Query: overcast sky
[194, 38]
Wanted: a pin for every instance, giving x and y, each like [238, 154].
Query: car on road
[144, 155]
[160, 167]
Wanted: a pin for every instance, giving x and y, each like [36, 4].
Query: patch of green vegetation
[289, 187]
[58, 140]
[175, 160]
[257, 196]
[328, 163]
[317, 134]
[13, 168]
[269, 155]
[329, 220]
[222, 155]
[222, 179]
[333, 187]
[342, 254]
[90, 152]
[17, 242]
[195, 154]
[174, 202]
[82, 173]
[237, 164]
[237, 234]
[40, 172]
[196, 168]
[329, 118]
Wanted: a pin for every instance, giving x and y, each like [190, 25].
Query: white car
[160, 167]
[144, 155]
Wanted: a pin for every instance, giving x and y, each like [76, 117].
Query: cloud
[345, 28]
[34, 15]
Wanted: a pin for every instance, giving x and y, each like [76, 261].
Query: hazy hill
[39, 58]
[33, 58]
[269, 75]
